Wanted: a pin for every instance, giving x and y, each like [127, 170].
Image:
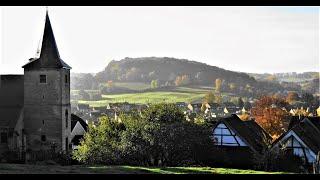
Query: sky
[246, 39]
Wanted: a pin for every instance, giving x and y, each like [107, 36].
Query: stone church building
[35, 112]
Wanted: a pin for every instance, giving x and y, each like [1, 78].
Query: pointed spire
[49, 47]
[49, 54]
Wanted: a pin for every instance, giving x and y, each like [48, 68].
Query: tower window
[43, 78]
[66, 115]
[67, 142]
[43, 138]
[66, 79]
[43, 122]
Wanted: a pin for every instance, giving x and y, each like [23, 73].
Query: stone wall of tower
[44, 108]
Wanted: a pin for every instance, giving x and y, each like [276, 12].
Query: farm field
[172, 95]
[79, 169]
[147, 97]
[133, 86]
[178, 95]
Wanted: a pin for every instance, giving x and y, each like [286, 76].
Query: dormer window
[43, 79]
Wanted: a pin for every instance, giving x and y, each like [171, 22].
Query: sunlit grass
[82, 169]
[148, 97]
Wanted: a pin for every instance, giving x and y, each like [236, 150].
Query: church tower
[47, 112]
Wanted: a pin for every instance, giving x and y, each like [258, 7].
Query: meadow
[81, 169]
[147, 95]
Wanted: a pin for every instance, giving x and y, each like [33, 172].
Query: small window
[67, 117]
[43, 78]
[4, 137]
[43, 138]
[42, 122]
[67, 143]
[66, 79]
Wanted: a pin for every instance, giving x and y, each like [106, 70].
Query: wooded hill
[166, 69]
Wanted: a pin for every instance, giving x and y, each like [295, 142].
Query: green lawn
[79, 169]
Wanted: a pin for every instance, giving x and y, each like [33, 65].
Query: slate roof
[49, 55]
[9, 116]
[75, 119]
[11, 90]
[309, 135]
[249, 131]
[308, 130]
[11, 99]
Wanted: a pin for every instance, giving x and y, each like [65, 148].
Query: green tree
[308, 98]
[100, 143]
[159, 136]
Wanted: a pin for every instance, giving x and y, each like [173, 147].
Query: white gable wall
[297, 142]
[77, 130]
[224, 136]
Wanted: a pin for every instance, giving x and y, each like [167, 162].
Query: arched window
[66, 117]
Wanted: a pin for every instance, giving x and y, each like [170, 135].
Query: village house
[302, 138]
[83, 108]
[78, 128]
[35, 107]
[181, 105]
[239, 138]
[195, 107]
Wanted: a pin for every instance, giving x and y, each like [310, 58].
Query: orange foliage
[269, 114]
[292, 97]
[182, 80]
[244, 117]
[110, 84]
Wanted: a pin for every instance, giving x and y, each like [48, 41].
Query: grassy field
[177, 94]
[79, 169]
[148, 97]
[182, 94]
[133, 85]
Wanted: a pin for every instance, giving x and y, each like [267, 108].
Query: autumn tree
[271, 78]
[292, 97]
[110, 84]
[244, 116]
[218, 85]
[209, 97]
[269, 114]
[218, 99]
[178, 81]
[182, 80]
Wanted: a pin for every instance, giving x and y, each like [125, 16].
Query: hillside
[166, 70]
[169, 73]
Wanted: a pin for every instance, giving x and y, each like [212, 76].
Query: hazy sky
[247, 39]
